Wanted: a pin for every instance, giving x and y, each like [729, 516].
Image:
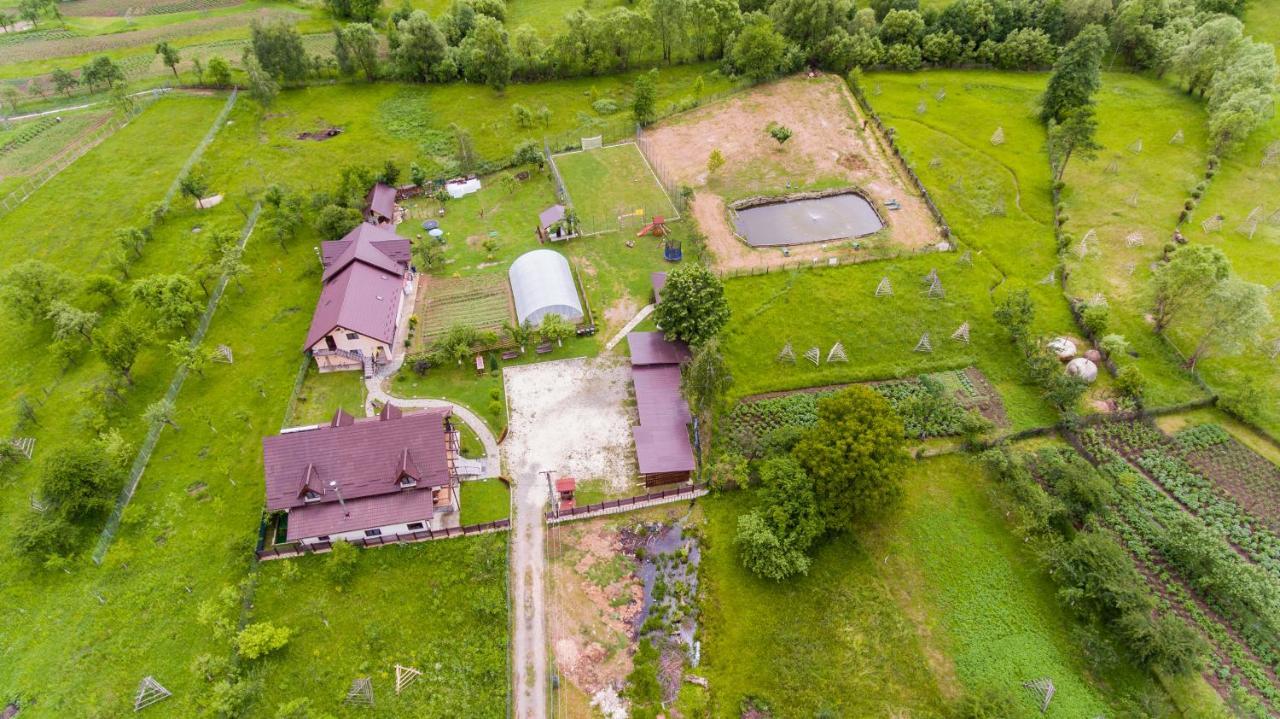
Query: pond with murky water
[797, 222]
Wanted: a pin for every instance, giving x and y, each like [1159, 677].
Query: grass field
[893, 623]
[26, 147]
[607, 183]
[485, 501]
[440, 607]
[879, 334]
[1241, 185]
[1157, 178]
[323, 394]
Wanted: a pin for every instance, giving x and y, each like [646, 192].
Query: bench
[510, 355]
[544, 348]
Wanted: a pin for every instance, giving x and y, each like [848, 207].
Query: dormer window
[311, 496]
[406, 481]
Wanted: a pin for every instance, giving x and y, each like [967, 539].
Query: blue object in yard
[430, 225]
[671, 252]
[436, 232]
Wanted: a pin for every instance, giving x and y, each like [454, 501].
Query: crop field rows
[1183, 555]
[480, 301]
[1237, 470]
[117, 8]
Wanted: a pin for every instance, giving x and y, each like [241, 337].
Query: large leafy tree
[169, 56]
[423, 53]
[170, 298]
[758, 50]
[486, 53]
[1210, 48]
[1073, 136]
[1077, 75]
[78, 481]
[118, 345]
[359, 46]
[644, 99]
[1232, 315]
[1186, 281]
[774, 540]
[706, 378]
[855, 456]
[278, 49]
[29, 287]
[693, 306]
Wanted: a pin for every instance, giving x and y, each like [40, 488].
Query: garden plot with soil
[618, 582]
[829, 148]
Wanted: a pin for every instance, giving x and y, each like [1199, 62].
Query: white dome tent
[1083, 368]
[542, 284]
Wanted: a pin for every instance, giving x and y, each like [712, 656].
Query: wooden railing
[294, 549]
[612, 506]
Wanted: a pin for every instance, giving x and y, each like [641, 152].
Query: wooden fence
[295, 549]
[626, 504]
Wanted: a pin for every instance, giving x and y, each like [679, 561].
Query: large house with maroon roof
[368, 478]
[366, 278]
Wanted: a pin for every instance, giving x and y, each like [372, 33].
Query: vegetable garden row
[1232, 601]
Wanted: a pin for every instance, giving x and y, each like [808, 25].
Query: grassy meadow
[1142, 195]
[485, 500]
[607, 183]
[894, 623]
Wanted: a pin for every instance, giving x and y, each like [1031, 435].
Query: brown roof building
[357, 316]
[355, 478]
[663, 449]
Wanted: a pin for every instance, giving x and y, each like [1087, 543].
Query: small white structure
[462, 187]
[1063, 347]
[1083, 369]
[542, 284]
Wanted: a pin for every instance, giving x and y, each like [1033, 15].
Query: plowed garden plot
[480, 301]
[1243, 474]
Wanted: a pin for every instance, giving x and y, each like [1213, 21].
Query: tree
[522, 115]
[1077, 75]
[169, 56]
[161, 412]
[555, 328]
[1015, 313]
[1186, 280]
[261, 638]
[706, 378]
[423, 53]
[1025, 49]
[64, 82]
[1238, 117]
[193, 185]
[278, 49]
[855, 456]
[1210, 48]
[341, 563]
[758, 50]
[521, 334]
[191, 356]
[714, 161]
[219, 72]
[71, 323]
[170, 298]
[486, 54]
[429, 253]
[77, 482]
[118, 345]
[693, 307]
[262, 85]
[773, 540]
[644, 99]
[333, 221]
[30, 286]
[31, 11]
[361, 43]
[902, 26]
[1075, 134]
[101, 71]
[133, 239]
[670, 23]
[1232, 315]
[781, 133]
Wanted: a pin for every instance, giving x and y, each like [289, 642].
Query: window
[322, 538]
[435, 497]
[310, 496]
[415, 526]
[407, 481]
[353, 336]
[373, 532]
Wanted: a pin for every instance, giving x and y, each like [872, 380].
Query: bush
[605, 106]
[341, 562]
[1095, 318]
[987, 703]
[261, 638]
[419, 362]
[41, 536]
[1131, 383]
[527, 153]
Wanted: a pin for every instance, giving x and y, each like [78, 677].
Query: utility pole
[551, 488]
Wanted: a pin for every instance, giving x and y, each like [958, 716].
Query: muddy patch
[320, 135]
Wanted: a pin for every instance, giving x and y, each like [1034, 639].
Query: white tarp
[542, 283]
[462, 188]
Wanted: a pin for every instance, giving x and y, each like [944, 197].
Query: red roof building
[380, 205]
[356, 478]
[357, 316]
[663, 449]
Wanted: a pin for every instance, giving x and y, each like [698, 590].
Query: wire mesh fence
[198, 153]
[175, 386]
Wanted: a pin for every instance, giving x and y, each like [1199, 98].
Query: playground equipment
[671, 250]
[658, 227]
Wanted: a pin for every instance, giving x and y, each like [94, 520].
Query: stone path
[622, 333]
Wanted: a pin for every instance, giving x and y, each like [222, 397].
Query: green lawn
[440, 607]
[837, 639]
[485, 500]
[819, 307]
[323, 394]
[1158, 178]
[51, 137]
[939, 600]
[607, 183]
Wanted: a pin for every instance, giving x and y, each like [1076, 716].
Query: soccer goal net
[593, 143]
